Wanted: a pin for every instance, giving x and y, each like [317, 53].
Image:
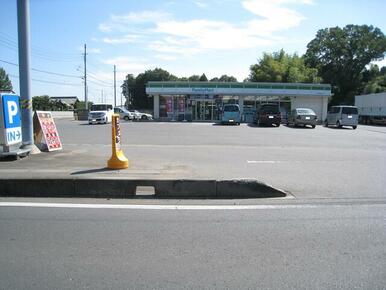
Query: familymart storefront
[203, 101]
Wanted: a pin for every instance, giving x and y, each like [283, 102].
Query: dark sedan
[268, 114]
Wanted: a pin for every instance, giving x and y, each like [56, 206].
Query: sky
[184, 37]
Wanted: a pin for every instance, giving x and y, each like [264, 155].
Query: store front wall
[208, 108]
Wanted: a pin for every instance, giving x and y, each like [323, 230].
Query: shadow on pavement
[252, 125]
[96, 170]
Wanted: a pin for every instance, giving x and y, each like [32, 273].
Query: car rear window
[349, 111]
[305, 111]
[270, 109]
[231, 108]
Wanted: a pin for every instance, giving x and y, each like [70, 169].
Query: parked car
[342, 116]
[123, 113]
[100, 113]
[141, 116]
[231, 114]
[268, 114]
[302, 117]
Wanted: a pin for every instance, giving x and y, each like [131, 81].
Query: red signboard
[169, 105]
[48, 131]
[181, 105]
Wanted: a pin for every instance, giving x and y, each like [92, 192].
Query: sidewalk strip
[170, 207]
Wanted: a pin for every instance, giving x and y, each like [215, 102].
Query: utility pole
[25, 77]
[115, 88]
[85, 77]
[101, 96]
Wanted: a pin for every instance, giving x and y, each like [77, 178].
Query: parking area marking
[262, 162]
[176, 207]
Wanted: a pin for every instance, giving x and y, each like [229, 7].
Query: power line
[43, 71]
[11, 40]
[49, 82]
[99, 84]
[40, 56]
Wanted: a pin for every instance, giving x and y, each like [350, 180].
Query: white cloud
[128, 38]
[166, 57]
[189, 37]
[129, 65]
[140, 17]
[200, 3]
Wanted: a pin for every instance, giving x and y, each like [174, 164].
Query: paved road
[309, 246]
[319, 163]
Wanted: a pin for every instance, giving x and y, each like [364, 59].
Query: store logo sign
[202, 90]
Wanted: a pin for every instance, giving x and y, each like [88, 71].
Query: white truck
[371, 108]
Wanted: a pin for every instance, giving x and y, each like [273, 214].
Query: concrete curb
[126, 188]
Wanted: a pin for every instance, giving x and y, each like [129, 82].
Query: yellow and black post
[118, 160]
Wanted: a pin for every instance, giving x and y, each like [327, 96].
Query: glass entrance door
[203, 110]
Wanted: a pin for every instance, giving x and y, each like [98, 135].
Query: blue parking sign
[10, 111]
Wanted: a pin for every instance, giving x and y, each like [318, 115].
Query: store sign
[46, 132]
[202, 90]
[10, 124]
[203, 97]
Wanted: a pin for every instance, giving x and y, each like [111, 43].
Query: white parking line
[262, 161]
[152, 206]
[183, 207]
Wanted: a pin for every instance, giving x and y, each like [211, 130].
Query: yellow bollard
[118, 160]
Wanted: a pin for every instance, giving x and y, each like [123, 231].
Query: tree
[282, 67]
[341, 55]
[194, 78]
[216, 79]
[136, 95]
[203, 78]
[41, 103]
[128, 87]
[373, 80]
[226, 78]
[5, 82]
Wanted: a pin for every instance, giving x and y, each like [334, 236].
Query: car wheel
[126, 118]
[325, 123]
[338, 124]
[313, 126]
[90, 123]
[354, 127]
[144, 117]
[278, 125]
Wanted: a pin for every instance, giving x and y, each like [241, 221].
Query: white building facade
[202, 101]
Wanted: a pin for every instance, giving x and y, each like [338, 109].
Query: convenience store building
[202, 101]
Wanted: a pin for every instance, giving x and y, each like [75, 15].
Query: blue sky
[184, 37]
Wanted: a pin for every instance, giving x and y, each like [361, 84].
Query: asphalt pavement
[308, 163]
[309, 246]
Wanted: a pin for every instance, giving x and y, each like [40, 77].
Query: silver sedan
[302, 117]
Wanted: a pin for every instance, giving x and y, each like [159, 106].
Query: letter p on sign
[12, 111]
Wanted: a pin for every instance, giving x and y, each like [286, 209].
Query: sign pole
[117, 160]
[24, 73]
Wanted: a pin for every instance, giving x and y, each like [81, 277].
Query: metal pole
[85, 77]
[24, 72]
[115, 89]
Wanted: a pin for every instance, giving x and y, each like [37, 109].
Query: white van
[342, 116]
[100, 113]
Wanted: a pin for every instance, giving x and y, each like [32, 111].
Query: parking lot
[309, 163]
